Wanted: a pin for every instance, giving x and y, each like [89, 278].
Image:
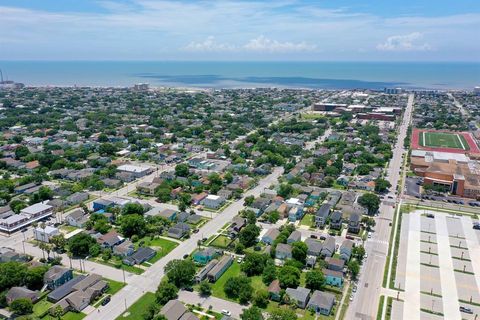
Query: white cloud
[264, 44]
[407, 42]
[208, 45]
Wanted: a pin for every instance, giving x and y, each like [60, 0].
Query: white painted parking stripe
[447, 276]
[411, 306]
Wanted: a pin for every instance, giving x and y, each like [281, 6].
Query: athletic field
[443, 140]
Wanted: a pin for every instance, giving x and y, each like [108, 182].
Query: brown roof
[274, 287]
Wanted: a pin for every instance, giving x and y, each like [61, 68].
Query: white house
[213, 201]
[46, 234]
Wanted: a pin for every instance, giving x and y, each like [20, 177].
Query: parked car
[466, 310]
[226, 312]
[106, 300]
[185, 256]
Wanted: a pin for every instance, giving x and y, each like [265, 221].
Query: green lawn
[115, 262]
[41, 307]
[217, 287]
[113, 286]
[443, 140]
[307, 220]
[221, 242]
[67, 316]
[137, 309]
[67, 228]
[162, 246]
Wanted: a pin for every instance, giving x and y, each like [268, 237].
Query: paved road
[216, 303]
[411, 307]
[365, 302]
[311, 144]
[150, 279]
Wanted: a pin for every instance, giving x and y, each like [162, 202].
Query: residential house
[225, 193]
[328, 247]
[295, 213]
[300, 295]
[346, 250]
[102, 204]
[57, 276]
[322, 215]
[213, 201]
[110, 240]
[77, 218]
[294, 237]
[204, 256]
[179, 230]
[216, 272]
[335, 264]
[16, 293]
[283, 251]
[274, 290]
[202, 274]
[8, 255]
[124, 249]
[321, 302]
[333, 278]
[175, 310]
[270, 236]
[45, 234]
[77, 198]
[147, 188]
[336, 220]
[237, 224]
[140, 256]
[314, 247]
[354, 223]
[198, 198]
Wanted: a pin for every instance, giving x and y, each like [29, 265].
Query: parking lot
[438, 267]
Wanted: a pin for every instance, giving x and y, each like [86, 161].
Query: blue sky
[368, 30]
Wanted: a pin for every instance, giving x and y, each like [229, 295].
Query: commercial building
[454, 172]
[26, 216]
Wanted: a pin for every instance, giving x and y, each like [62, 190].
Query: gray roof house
[283, 251]
[219, 268]
[21, 292]
[336, 220]
[299, 295]
[346, 250]
[322, 214]
[175, 310]
[77, 198]
[314, 247]
[270, 236]
[328, 248]
[141, 255]
[354, 223]
[321, 302]
[179, 230]
[294, 237]
[77, 218]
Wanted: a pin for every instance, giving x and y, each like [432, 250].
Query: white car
[226, 312]
[369, 235]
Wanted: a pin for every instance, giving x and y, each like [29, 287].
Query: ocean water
[327, 75]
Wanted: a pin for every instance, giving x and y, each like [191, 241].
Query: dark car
[185, 256]
[195, 230]
[466, 310]
[190, 289]
[430, 215]
[313, 236]
[106, 300]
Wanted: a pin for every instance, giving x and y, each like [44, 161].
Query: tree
[354, 268]
[369, 201]
[252, 313]
[58, 312]
[239, 287]
[285, 190]
[166, 291]
[299, 251]
[22, 306]
[289, 277]
[80, 244]
[181, 170]
[133, 208]
[132, 224]
[107, 149]
[254, 263]
[248, 235]
[315, 280]
[59, 242]
[382, 185]
[274, 216]
[21, 151]
[163, 194]
[34, 277]
[248, 201]
[363, 169]
[269, 273]
[283, 314]
[11, 274]
[260, 298]
[205, 288]
[358, 252]
[180, 272]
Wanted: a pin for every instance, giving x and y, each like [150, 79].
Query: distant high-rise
[141, 86]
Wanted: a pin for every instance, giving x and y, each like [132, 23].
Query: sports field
[443, 140]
